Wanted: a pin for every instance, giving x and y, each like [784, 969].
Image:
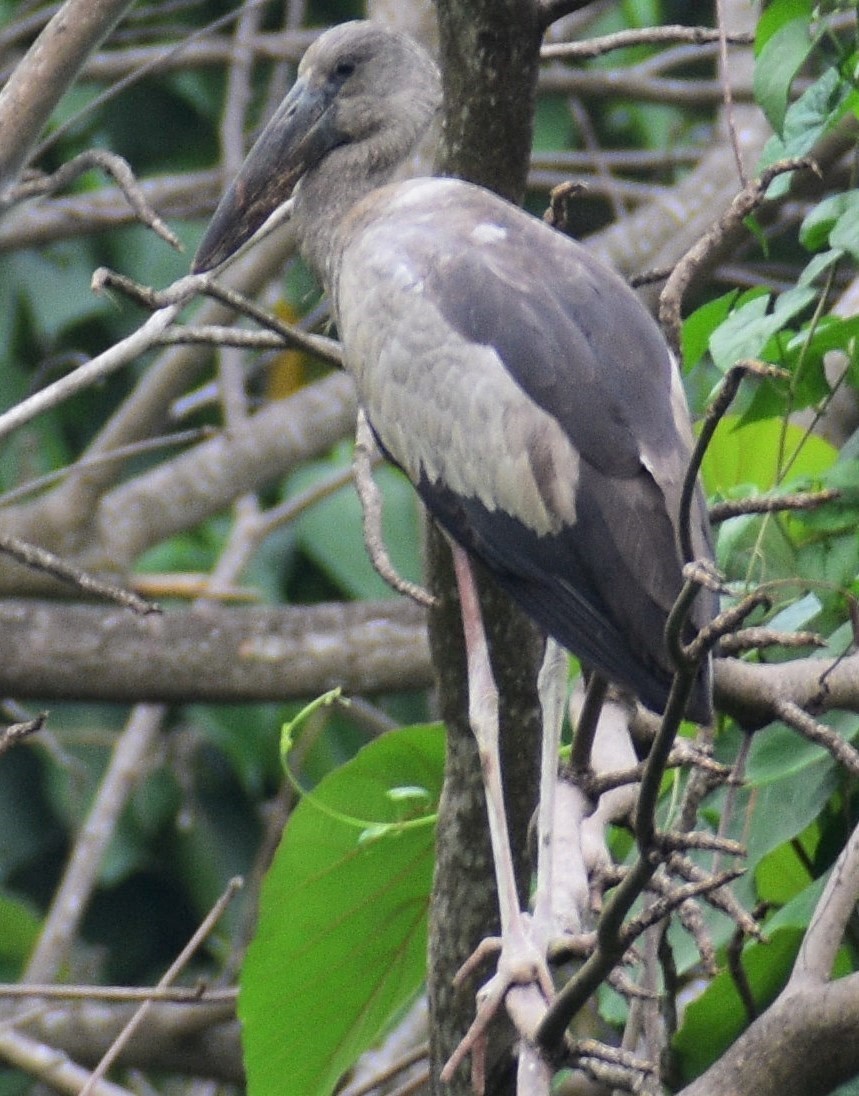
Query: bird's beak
[299, 134]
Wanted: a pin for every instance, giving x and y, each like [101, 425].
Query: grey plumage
[518, 382]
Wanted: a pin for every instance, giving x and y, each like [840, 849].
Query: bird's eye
[344, 69]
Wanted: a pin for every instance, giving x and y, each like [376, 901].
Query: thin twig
[586, 727]
[180, 995]
[755, 639]
[176, 967]
[791, 713]
[771, 504]
[121, 453]
[723, 900]
[113, 165]
[749, 198]
[50, 1065]
[371, 507]
[40, 559]
[726, 622]
[182, 290]
[17, 732]
[640, 36]
[715, 412]
[405, 1061]
[95, 370]
[728, 100]
[127, 766]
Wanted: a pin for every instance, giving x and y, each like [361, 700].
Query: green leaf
[714, 1020]
[797, 615]
[340, 947]
[331, 532]
[743, 334]
[776, 15]
[778, 809]
[816, 111]
[781, 876]
[701, 324]
[749, 328]
[19, 930]
[835, 221]
[779, 61]
[817, 265]
[747, 453]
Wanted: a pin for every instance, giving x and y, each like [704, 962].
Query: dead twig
[662, 907]
[794, 716]
[184, 289]
[371, 507]
[40, 559]
[178, 965]
[647, 36]
[771, 504]
[17, 732]
[114, 166]
[681, 277]
[755, 639]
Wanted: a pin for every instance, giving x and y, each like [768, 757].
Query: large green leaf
[340, 947]
[700, 325]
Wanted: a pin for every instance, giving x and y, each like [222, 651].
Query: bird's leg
[552, 687]
[521, 960]
[483, 717]
[533, 1073]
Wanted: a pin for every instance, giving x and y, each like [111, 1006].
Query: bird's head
[358, 85]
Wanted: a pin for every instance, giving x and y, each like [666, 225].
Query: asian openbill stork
[520, 384]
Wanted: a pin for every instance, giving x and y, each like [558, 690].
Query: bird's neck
[328, 193]
[322, 201]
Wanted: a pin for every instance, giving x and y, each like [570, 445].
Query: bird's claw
[521, 962]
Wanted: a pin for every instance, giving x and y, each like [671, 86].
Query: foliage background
[201, 795]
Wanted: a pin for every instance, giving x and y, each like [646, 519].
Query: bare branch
[748, 199]
[228, 653]
[118, 169]
[95, 370]
[753, 639]
[826, 930]
[794, 716]
[648, 36]
[50, 67]
[50, 1065]
[17, 732]
[126, 768]
[771, 504]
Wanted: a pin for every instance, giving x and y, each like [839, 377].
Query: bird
[518, 382]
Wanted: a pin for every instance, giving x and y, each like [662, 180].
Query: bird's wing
[528, 396]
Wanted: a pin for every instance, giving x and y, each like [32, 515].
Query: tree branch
[50, 67]
[53, 650]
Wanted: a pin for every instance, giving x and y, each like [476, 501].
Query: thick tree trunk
[489, 59]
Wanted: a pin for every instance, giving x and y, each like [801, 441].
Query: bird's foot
[521, 962]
